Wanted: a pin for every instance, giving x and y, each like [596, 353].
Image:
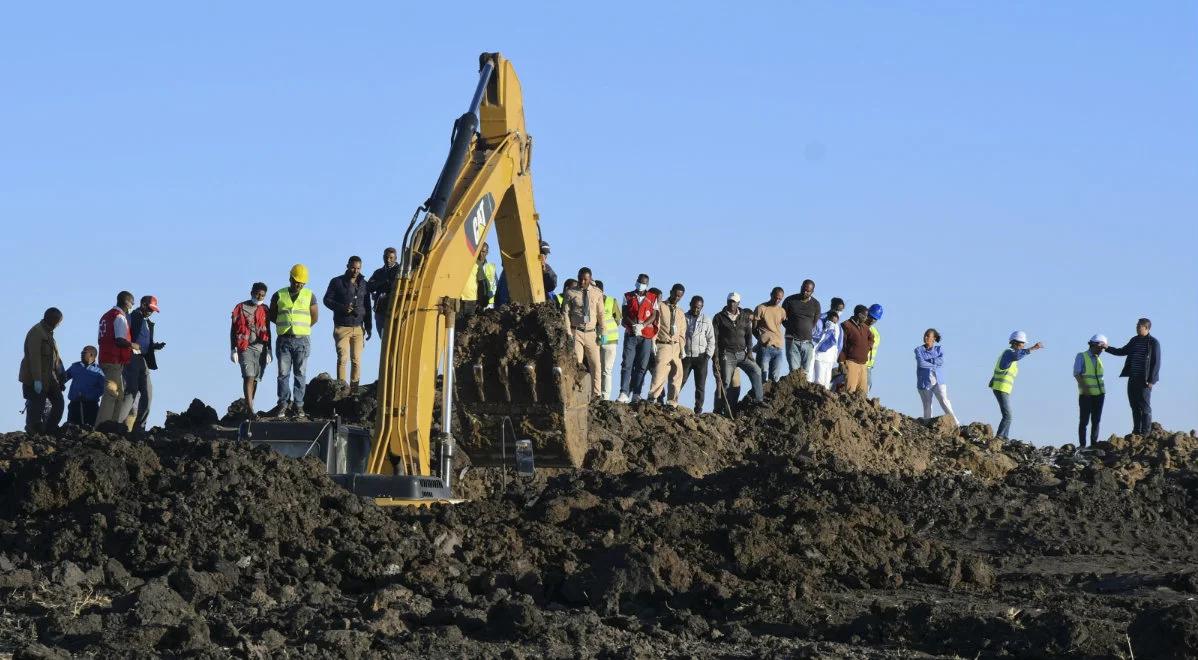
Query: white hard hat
[1098, 339]
[1019, 336]
[734, 296]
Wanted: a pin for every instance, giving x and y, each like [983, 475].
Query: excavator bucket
[517, 379]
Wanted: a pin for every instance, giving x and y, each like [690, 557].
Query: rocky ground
[816, 525]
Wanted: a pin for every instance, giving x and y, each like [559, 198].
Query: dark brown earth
[815, 525]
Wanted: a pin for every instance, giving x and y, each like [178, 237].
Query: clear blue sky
[976, 167]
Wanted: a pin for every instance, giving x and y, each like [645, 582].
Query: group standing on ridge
[665, 340]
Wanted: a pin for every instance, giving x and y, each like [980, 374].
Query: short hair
[584, 271]
[90, 349]
[932, 331]
[860, 308]
[570, 281]
[806, 282]
[353, 259]
[123, 296]
[655, 291]
[837, 301]
[696, 299]
[258, 286]
[52, 314]
[1145, 322]
[599, 283]
[389, 250]
[776, 290]
[833, 315]
[642, 275]
[677, 287]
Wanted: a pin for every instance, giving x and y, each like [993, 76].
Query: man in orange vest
[249, 341]
[640, 329]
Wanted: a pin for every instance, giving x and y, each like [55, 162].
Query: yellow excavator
[514, 385]
[486, 180]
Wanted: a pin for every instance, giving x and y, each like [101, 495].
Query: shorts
[253, 362]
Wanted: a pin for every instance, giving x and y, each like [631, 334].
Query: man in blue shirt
[1142, 369]
[87, 385]
[1003, 380]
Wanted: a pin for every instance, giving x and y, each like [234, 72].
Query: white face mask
[641, 287]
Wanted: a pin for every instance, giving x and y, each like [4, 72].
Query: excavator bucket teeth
[516, 364]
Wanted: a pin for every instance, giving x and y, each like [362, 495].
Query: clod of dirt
[197, 415]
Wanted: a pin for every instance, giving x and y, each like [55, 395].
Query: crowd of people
[662, 341]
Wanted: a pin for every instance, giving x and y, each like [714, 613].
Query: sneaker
[672, 404]
[635, 398]
[623, 398]
[298, 411]
[278, 411]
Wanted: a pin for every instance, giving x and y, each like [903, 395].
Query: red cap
[153, 303]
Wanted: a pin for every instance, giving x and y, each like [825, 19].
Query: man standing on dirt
[41, 375]
[1003, 380]
[479, 291]
[116, 351]
[733, 329]
[348, 297]
[858, 341]
[640, 329]
[87, 386]
[139, 389]
[697, 349]
[583, 306]
[802, 313]
[379, 286]
[875, 315]
[294, 311]
[768, 318]
[1091, 390]
[249, 341]
[1142, 369]
[609, 340]
[671, 333]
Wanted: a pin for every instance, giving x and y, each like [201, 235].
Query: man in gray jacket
[698, 349]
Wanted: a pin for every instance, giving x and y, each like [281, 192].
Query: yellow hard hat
[299, 273]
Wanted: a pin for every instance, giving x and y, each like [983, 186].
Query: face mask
[641, 287]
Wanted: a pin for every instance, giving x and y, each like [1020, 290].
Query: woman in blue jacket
[929, 374]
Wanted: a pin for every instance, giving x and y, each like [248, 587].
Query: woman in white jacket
[828, 339]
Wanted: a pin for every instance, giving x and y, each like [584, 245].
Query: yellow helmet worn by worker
[299, 273]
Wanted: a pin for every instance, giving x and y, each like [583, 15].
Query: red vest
[247, 329]
[110, 353]
[639, 312]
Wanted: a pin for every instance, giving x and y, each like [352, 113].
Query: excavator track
[517, 364]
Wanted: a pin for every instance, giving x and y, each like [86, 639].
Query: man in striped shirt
[1142, 370]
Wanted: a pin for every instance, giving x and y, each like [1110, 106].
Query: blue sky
[977, 167]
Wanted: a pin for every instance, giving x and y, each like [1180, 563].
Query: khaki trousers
[668, 368]
[350, 343]
[855, 377]
[114, 391]
[586, 351]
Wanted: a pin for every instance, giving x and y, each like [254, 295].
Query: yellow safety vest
[295, 316]
[470, 291]
[873, 352]
[1004, 379]
[1091, 384]
[611, 308]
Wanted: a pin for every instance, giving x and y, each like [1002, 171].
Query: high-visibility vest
[295, 316]
[1004, 379]
[611, 309]
[1091, 384]
[873, 352]
[470, 291]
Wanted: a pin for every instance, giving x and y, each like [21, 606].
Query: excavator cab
[511, 376]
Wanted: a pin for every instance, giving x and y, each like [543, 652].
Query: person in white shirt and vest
[294, 311]
[609, 341]
[1091, 391]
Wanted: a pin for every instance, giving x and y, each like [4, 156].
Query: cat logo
[477, 221]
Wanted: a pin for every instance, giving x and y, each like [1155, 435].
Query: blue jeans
[730, 360]
[769, 359]
[637, 351]
[800, 356]
[1139, 395]
[1004, 406]
[292, 353]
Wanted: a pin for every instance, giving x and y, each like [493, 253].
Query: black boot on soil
[298, 411]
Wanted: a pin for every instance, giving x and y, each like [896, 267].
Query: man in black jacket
[139, 389]
[1142, 369]
[348, 296]
[379, 286]
[733, 340]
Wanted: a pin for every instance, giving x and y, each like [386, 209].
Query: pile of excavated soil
[775, 544]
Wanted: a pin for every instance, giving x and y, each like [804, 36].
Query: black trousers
[1090, 412]
[82, 412]
[37, 418]
[1139, 395]
[698, 365]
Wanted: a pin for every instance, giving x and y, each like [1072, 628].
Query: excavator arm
[486, 181]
